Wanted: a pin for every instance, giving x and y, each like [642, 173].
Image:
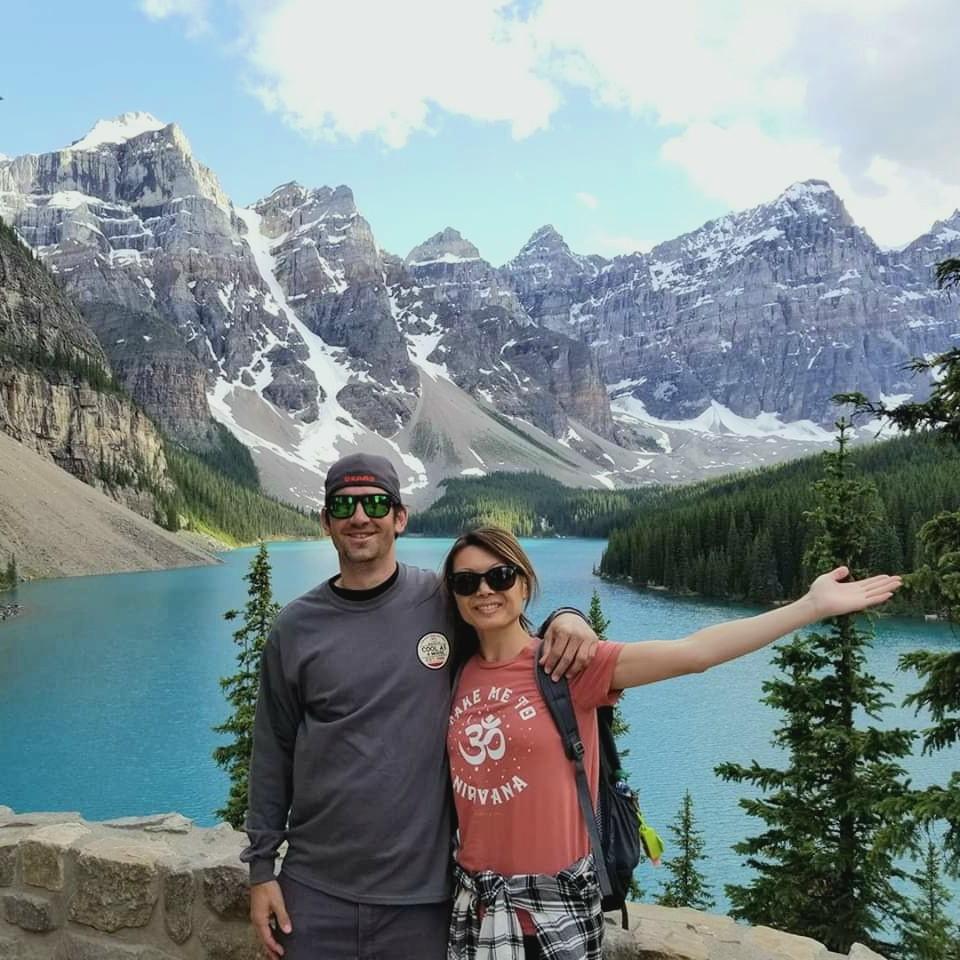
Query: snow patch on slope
[318, 440]
[720, 420]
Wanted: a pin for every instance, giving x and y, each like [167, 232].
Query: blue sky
[622, 129]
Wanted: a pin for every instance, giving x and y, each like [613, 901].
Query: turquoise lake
[109, 689]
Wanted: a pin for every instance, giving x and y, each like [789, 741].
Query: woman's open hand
[831, 598]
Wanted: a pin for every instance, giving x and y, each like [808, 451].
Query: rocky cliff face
[457, 312]
[772, 310]
[55, 392]
[549, 278]
[127, 217]
[332, 274]
[289, 324]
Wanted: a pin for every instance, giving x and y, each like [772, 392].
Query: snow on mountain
[118, 130]
[290, 325]
[718, 420]
[318, 438]
[776, 308]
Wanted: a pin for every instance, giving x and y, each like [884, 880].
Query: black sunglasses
[499, 578]
[340, 506]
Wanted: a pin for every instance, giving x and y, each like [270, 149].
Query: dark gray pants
[327, 928]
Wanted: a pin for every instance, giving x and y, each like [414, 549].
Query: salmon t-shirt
[514, 787]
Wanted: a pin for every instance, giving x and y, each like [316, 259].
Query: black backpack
[613, 826]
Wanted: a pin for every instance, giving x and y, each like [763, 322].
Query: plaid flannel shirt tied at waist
[564, 908]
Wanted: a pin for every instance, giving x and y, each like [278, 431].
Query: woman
[523, 867]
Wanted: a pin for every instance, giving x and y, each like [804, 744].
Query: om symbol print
[487, 740]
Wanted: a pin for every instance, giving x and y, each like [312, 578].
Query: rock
[489, 344]
[74, 947]
[42, 854]
[230, 941]
[8, 863]
[33, 913]
[792, 947]
[226, 891]
[179, 893]
[173, 823]
[141, 229]
[10, 949]
[89, 430]
[618, 944]
[662, 933]
[137, 823]
[447, 246]
[760, 310]
[157, 823]
[381, 410]
[40, 819]
[6, 813]
[156, 368]
[116, 885]
[859, 952]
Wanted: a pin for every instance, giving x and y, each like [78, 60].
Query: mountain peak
[118, 130]
[448, 246]
[547, 236]
[814, 198]
[547, 231]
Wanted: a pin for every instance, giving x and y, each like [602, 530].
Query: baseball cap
[363, 470]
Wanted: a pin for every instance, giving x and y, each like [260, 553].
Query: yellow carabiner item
[651, 840]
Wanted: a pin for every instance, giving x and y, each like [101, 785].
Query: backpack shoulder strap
[556, 695]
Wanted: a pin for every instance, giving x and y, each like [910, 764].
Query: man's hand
[266, 902]
[568, 646]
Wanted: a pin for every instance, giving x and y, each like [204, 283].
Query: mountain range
[287, 323]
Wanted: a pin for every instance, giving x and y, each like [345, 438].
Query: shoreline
[206, 544]
[627, 581]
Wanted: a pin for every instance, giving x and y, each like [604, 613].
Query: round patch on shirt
[433, 649]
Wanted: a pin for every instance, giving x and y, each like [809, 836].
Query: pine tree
[599, 624]
[9, 578]
[938, 579]
[926, 932]
[687, 886]
[825, 865]
[242, 688]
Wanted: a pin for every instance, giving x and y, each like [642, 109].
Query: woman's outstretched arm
[654, 660]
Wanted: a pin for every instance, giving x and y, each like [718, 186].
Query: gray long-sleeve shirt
[349, 743]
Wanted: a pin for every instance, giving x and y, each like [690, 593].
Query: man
[349, 763]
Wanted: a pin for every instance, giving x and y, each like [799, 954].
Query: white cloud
[742, 166]
[587, 200]
[862, 93]
[679, 62]
[194, 13]
[347, 69]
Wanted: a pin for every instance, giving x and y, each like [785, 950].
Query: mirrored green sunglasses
[340, 506]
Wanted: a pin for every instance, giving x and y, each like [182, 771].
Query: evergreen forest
[211, 501]
[745, 536]
[527, 504]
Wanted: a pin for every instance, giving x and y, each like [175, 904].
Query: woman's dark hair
[504, 545]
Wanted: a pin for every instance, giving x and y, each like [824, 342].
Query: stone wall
[158, 888]
[139, 888]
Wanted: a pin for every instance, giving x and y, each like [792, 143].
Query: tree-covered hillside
[208, 500]
[529, 505]
[744, 537]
